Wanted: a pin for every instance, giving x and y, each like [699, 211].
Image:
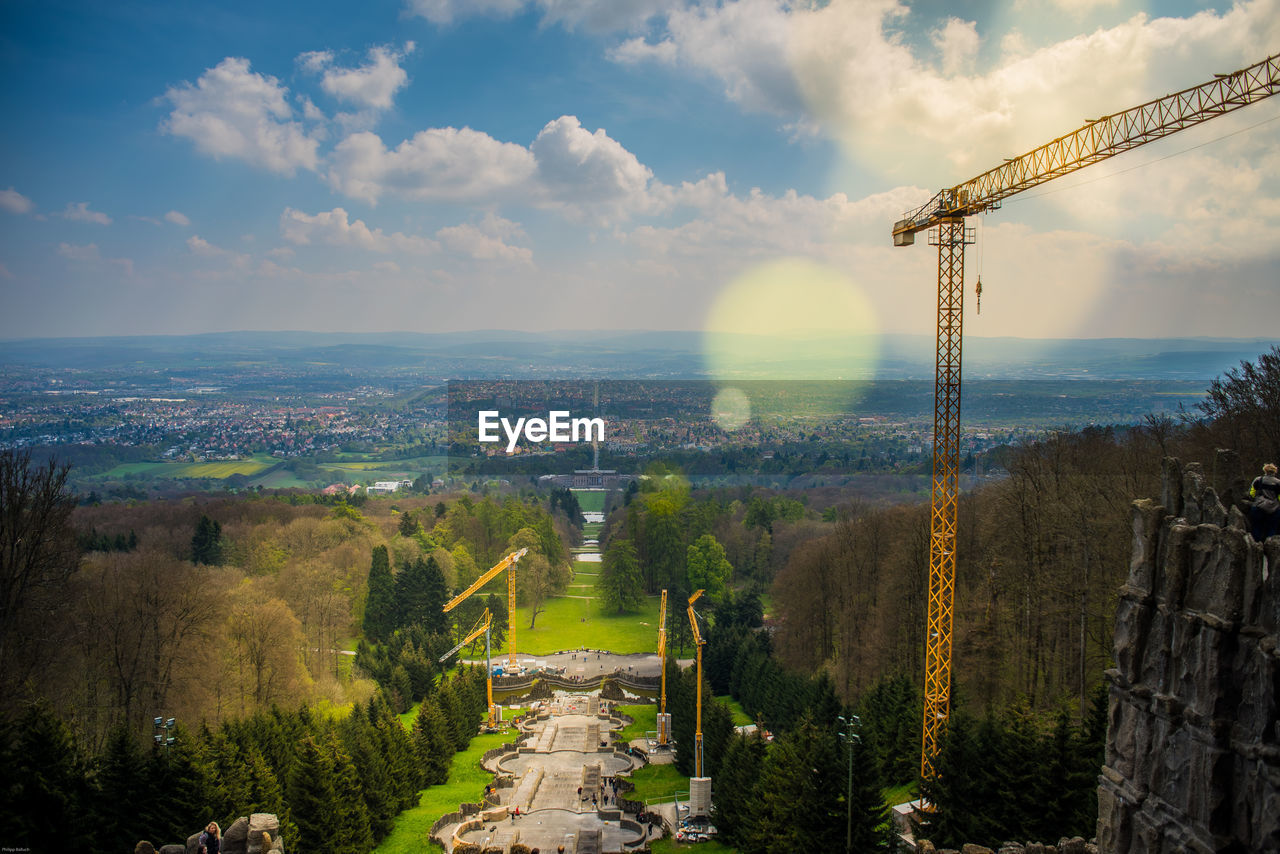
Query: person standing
[1264, 508]
[210, 840]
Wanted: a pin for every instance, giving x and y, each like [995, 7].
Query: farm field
[215, 469]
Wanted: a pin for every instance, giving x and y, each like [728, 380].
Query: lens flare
[791, 319]
[730, 409]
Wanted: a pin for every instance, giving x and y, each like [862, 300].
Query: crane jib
[1097, 140]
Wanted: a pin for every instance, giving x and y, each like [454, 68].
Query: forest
[287, 630]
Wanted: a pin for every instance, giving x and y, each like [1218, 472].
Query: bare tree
[37, 554]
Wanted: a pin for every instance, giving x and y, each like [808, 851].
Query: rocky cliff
[1193, 748]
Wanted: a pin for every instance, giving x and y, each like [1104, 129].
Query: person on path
[1264, 508]
[210, 840]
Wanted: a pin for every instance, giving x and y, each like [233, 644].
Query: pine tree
[206, 544]
[121, 773]
[178, 778]
[360, 742]
[380, 607]
[45, 796]
[870, 814]
[350, 820]
[313, 798]
[420, 596]
[433, 744]
[734, 807]
[801, 794]
[1021, 793]
[408, 524]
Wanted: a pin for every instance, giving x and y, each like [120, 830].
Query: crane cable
[981, 247]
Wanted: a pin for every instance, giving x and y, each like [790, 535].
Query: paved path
[553, 786]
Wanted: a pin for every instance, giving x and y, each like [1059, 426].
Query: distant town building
[383, 487]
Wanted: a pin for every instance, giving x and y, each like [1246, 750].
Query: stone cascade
[1193, 743]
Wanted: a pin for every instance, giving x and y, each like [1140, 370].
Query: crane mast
[944, 217]
[697, 642]
[664, 720]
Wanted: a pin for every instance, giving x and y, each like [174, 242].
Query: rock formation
[1193, 744]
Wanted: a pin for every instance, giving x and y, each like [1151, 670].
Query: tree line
[336, 783]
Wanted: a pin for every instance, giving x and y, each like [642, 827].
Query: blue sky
[434, 165]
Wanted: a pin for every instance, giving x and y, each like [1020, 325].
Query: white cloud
[591, 15]
[567, 167]
[90, 255]
[635, 50]
[204, 249]
[446, 11]
[928, 115]
[234, 112]
[487, 241]
[315, 61]
[582, 169]
[743, 44]
[177, 218]
[371, 86]
[334, 228]
[14, 202]
[437, 164]
[957, 42]
[79, 212]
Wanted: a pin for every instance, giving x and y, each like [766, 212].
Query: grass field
[658, 783]
[569, 623]
[646, 720]
[900, 794]
[590, 501]
[740, 718]
[217, 469]
[465, 785]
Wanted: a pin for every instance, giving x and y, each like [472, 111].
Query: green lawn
[646, 720]
[569, 623]
[658, 783]
[740, 718]
[465, 785]
[900, 794]
[590, 501]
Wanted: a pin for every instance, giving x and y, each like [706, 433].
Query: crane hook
[979, 292]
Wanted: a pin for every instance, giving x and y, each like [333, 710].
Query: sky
[450, 165]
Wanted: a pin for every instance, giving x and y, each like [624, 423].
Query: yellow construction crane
[697, 642]
[481, 627]
[944, 215]
[664, 720]
[508, 561]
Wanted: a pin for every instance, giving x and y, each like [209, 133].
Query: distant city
[295, 410]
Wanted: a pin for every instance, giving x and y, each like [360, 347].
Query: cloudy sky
[432, 165]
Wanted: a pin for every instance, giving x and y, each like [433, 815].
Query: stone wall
[1193, 745]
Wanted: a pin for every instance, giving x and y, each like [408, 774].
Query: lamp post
[162, 728]
[849, 735]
